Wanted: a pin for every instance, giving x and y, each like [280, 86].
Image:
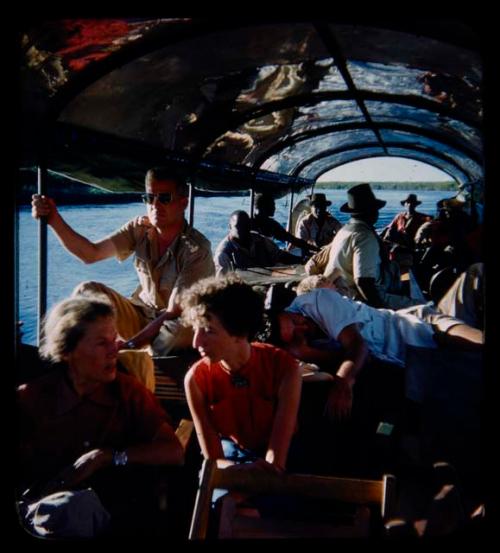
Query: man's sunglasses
[162, 197]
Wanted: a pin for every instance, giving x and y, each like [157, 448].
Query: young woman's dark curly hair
[238, 307]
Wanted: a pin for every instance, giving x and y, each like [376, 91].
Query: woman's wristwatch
[130, 344]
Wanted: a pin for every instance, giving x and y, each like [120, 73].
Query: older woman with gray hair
[84, 421]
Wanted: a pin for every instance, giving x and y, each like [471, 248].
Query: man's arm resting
[355, 353]
[339, 401]
[163, 449]
[150, 331]
[286, 236]
[303, 351]
[286, 257]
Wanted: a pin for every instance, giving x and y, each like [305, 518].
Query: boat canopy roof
[248, 104]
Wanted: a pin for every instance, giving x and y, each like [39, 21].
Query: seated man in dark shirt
[243, 248]
[263, 223]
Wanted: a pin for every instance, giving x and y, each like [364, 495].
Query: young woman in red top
[243, 396]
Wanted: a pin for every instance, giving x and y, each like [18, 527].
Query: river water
[96, 221]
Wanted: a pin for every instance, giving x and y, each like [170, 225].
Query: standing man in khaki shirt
[169, 257]
[356, 253]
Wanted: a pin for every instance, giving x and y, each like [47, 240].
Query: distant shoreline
[77, 194]
[401, 185]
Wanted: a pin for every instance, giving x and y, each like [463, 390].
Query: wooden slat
[388, 507]
[169, 376]
[170, 396]
[184, 432]
[342, 489]
[199, 522]
[347, 490]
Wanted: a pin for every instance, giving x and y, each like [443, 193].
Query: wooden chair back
[380, 493]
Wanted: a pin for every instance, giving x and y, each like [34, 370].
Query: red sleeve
[143, 409]
[200, 375]
[285, 362]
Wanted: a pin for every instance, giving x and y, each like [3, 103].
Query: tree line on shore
[385, 185]
[65, 191]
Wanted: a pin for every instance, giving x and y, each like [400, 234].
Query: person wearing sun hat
[362, 200]
[319, 227]
[404, 226]
[358, 254]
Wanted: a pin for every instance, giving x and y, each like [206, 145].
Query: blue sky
[386, 169]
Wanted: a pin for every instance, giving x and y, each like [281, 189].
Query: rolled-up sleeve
[366, 256]
[125, 239]
[328, 309]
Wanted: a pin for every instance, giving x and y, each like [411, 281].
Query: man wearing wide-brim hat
[319, 227]
[358, 253]
[404, 226]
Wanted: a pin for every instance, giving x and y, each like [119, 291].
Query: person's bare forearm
[302, 244]
[304, 352]
[74, 242]
[462, 337]
[150, 331]
[208, 438]
[286, 257]
[285, 420]
[165, 450]
[348, 370]
[355, 353]
[44, 207]
[160, 452]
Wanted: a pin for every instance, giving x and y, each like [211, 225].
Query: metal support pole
[252, 201]
[290, 211]
[17, 322]
[191, 203]
[42, 254]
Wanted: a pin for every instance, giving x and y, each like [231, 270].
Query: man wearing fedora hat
[358, 254]
[319, 227]
[404, 226]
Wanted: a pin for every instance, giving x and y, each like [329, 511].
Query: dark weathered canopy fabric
[248, 104]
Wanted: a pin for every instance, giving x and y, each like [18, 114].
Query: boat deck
[388, 432]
